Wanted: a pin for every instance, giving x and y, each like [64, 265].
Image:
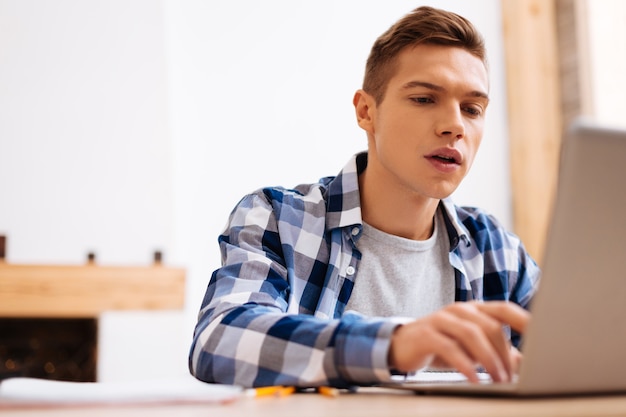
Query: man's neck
[397, 212]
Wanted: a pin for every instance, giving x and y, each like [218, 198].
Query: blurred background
[130, 126]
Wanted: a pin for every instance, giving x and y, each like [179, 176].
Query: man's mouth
[446, 156]
[446, 159]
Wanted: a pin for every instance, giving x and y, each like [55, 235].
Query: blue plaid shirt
[273, 314]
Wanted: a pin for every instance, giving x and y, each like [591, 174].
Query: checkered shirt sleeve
[269, 314]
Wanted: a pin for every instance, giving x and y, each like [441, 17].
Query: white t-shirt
[403, 277]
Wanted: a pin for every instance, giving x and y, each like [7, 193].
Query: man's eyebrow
[435, 87]
[430, 86]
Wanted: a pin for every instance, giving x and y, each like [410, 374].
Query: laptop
[576, 341]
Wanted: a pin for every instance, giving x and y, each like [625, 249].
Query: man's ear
[365, 108]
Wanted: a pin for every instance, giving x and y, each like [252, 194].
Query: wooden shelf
[87, 290]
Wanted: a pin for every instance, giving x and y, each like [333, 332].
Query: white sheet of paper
[33, 391]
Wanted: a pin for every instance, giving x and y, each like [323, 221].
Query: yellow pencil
[286, 391]
[328, 391]
[277, 390]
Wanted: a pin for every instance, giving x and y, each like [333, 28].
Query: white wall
[607, 48]
[84, 140]
[129, 126]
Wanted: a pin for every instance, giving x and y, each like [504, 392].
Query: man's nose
[451, 124]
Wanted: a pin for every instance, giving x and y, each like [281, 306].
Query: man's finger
[507, 313]
[481, 337]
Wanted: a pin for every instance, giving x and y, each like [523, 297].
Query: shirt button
[355, 231]
[350, 270]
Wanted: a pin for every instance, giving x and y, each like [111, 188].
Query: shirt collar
[344, 201]
[456, 230]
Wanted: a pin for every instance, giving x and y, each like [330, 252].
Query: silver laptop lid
[576, 341]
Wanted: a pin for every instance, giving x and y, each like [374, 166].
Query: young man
[375, 271]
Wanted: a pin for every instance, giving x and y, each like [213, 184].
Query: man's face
[424, 135]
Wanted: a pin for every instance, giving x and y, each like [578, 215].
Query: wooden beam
[87, 291]
[530, 42]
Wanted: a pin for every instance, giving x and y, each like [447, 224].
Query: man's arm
[249, 331]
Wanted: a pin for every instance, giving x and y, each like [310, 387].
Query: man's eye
[422, 100]
[474, 111]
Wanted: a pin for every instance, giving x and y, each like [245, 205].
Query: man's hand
[462, 335]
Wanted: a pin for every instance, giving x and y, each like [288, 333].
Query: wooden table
[367, 402]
